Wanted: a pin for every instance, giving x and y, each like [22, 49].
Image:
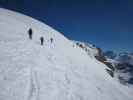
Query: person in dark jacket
[30, 32]
[42, 40]
[51, 39]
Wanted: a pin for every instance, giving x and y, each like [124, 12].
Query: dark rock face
[111, 73]
[110, 66]
[100, 56]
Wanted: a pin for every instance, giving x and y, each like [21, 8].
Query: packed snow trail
[54, 71]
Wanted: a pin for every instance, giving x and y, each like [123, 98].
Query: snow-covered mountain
[123, 64]
[110, 54]
[59, 70]
[90, 49]
[125, 58]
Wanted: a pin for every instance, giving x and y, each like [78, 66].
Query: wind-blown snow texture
[55, 71]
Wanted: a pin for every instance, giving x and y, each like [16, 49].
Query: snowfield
[54, 71]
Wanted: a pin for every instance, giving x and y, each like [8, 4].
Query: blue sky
[106, 23]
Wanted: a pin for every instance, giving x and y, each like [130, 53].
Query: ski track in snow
[34, 87]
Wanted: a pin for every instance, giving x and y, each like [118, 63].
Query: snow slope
[55, 71]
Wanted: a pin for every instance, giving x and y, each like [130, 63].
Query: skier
[30, 33]
[42, 40]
